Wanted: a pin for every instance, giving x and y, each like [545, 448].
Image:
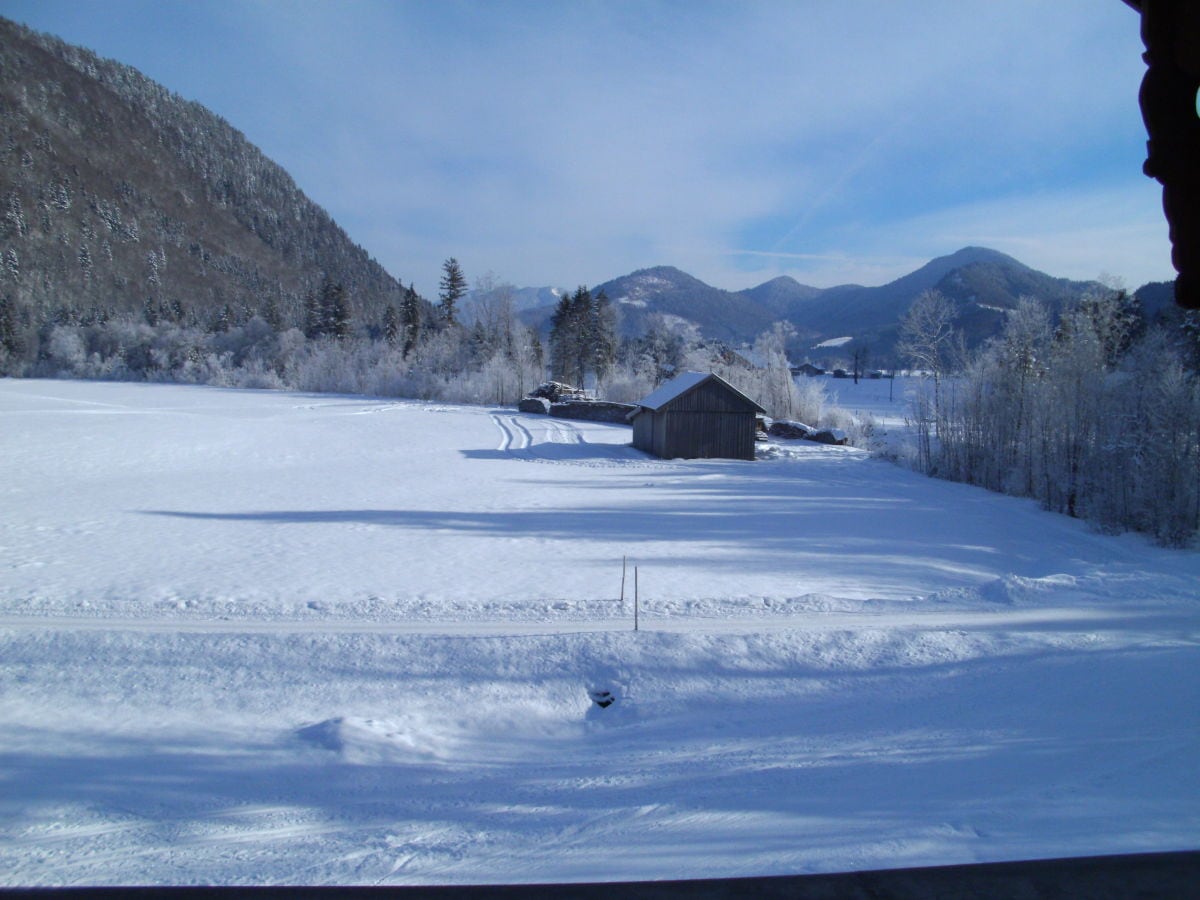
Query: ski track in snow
[506, 435]
[255, 637]
[541, 439]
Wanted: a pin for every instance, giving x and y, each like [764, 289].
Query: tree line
[468, 346]
[1095, 414]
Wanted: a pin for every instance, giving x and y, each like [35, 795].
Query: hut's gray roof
[680, 385]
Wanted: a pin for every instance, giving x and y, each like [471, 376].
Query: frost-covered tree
[928, 337]
[1000, 395]
[659, 352]
[932, 345]
[1114, 318]
[1063, 414]
[495, 318]
[771, 383]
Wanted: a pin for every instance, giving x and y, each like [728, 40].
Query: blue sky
[567, 143]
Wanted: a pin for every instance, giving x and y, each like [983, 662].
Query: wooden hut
[696, 416]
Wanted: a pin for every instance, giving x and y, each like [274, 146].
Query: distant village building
[808, 369]
[696, 416]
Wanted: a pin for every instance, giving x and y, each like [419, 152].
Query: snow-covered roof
[669, 390]
[680, 385]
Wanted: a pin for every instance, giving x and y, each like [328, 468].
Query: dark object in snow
[782, 428]
[555, 391]
[592, 410]
[602, 699]
[833, 436]
[798, 430]
[696, 416]
[534, 405]
[327, 734]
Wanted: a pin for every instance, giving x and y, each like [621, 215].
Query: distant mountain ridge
[667, 291]
[780, 294]
[983, 283]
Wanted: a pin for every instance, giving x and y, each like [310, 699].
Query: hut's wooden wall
[712, 396]
[643, 432]
[701, 435]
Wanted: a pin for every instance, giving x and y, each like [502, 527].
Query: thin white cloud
[1072, 234]
[1077, 234]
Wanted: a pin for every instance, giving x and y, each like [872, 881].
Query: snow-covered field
[281, 638]
[886, 400]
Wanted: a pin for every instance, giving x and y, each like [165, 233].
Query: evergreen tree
[271, 315]
[602, 335]
[10, 336]
[410, 317]
[327, 313]
[451, 288]
[335, 311]
[312, 316]
[566, 340]
[391, 325]
[581, 344]
[583, 336]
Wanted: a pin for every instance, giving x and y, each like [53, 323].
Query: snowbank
[252, 637]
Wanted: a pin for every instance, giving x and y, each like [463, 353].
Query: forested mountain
[118, 196]
[983, 284]
[781, 294]
[666, 291]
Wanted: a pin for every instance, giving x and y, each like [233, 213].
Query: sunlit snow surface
[277, 638]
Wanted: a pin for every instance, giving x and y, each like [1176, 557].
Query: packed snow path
[265, 637]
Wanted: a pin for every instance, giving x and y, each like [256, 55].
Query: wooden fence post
[635, 598]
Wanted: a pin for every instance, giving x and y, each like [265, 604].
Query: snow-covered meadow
[256, 637]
